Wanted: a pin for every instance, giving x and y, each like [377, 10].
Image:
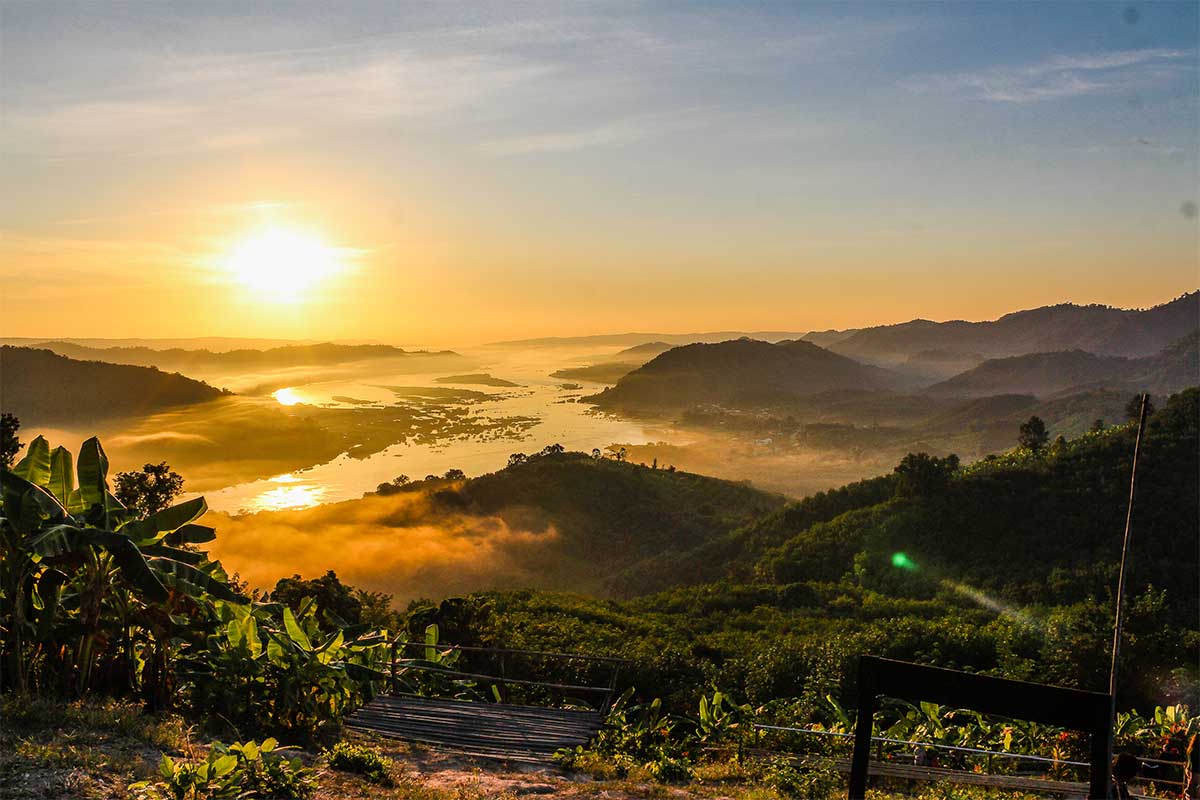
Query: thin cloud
[1066, 76]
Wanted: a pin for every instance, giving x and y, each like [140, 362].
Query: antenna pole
[1119, 622]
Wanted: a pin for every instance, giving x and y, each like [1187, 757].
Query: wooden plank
[487, 709]
[482, 707]
[493, 730]
[540, 725]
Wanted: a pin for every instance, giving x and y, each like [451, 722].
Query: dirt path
[433, 774]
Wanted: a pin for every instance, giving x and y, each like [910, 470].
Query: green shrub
[241, 770]
[788, 779]
[669, 769]
[361, 760]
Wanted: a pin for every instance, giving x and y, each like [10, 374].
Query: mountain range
[1102, 330]
[1042, 374]
[289, 355]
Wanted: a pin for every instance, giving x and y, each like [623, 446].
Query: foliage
[785, 777]
[90, 595]
[923, 475]
[637, 735]
[1133, 409]
[338, 604]
[361, 760]
[239, 770]
[1033, 435]
[266, 668]
[149, 491]
[10, 445]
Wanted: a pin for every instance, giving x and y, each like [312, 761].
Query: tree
[1133, 409]
[394, 485]
[517, 458]
[1033, 434]
[923, 475]
[149, 491]
[1097, 426]
[332, 596]
[455, 475]
[10, 445]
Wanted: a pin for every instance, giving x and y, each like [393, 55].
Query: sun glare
[282, 264]
[287, 396]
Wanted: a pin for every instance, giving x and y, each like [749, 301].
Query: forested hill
[1007, 566]
[1031, 528]
[42, 387]
[738, 369]
[625, 525]
[1103, 330]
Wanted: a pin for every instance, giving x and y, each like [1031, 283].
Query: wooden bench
[488, 730]
[501, 730]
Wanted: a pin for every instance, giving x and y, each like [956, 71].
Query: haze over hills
[560, 520]
[41, 387]
[631, 339]
[618, 366]
[287, 355]
[722, 372]
[1102, 330]
[1175, 368]
[647, 350]
[217, 344]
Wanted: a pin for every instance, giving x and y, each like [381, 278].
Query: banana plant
[72, 550]
[265, 661]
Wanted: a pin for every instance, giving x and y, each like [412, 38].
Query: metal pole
[1119, 622]
[1120, 619]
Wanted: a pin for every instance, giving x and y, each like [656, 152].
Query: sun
[283, 264]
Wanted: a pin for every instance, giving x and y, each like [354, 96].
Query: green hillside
[623, 525]
[1007, 567]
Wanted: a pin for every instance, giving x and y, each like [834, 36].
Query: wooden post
[862, 731]
[394, 648]
[1100, 772]
[612, 688]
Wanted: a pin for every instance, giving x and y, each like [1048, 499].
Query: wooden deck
[488, 730]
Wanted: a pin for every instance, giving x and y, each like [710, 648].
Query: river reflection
[560, 418]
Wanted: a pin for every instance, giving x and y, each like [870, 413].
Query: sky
[443, 174]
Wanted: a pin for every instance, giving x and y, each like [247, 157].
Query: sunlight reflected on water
[288, 497]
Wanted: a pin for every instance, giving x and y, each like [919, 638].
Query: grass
[80, 750]
[54, 751]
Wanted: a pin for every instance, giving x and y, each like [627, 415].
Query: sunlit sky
[460, 173]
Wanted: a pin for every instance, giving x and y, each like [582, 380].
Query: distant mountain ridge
[41, 386]
[1102, 330]
[724, 371]
[289, 355]
[629, 339]
[1176, 367]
